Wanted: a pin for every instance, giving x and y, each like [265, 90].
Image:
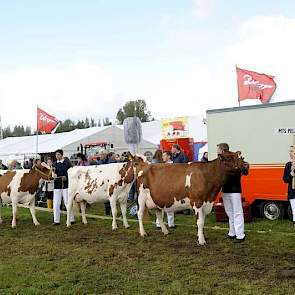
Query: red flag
[45, 122]
[252, 85]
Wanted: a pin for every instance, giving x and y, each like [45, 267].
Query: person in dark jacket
[103, 158]
[60, 175]
[112, 158]
[177, 155]
[205, 157]
[288, 176]
[232, 200]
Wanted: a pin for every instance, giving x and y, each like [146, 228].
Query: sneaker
[158, 227]
[173, 226]
[73, 222]
[56, 223]
[239, 240]
[231, 237]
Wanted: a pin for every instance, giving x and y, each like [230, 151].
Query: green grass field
[92, 259]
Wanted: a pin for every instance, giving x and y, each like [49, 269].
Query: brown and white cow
[102, 183]
[175, 187]
[20, 186]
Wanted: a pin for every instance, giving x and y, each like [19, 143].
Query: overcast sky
[86, 58]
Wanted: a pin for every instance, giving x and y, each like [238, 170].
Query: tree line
[136, 108]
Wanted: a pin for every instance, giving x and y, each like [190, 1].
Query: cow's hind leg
[123, 207]
[140, 213]
[14, 212]
[113, 203]
[83, 212]
[33, 212]
[200, 224]
[70, 209]
[162, 225]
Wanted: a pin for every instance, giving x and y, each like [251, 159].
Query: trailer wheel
[272, 210]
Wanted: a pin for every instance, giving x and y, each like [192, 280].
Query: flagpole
[238, 86]
[37, 139]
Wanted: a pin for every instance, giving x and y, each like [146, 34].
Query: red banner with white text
[46, 123]
[252, 85]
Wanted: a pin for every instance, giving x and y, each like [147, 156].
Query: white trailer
[263, 133]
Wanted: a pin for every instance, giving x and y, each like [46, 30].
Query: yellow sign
[175, 128]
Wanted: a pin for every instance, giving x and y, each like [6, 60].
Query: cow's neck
[220, 171]
[217, 179]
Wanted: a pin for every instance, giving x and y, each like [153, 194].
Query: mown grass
[92, 259]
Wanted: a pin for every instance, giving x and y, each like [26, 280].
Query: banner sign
[175, 128]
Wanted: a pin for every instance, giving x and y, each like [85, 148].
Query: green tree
[28, 130]
[92, 123]
[18, 130]
[87, 123]
[133, 108]
[107, 122]
[7, 132]
[65, 126]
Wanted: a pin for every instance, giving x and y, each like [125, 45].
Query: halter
[42, 173]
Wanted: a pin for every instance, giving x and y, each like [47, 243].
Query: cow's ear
[221, 157]
[238, 153]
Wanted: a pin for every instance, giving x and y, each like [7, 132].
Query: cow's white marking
[179, 205]
[188, 180]
[140, 173]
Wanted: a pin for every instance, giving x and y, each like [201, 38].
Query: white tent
[20, 147]
[25, 146]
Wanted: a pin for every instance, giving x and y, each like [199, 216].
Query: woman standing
[288, 177]
[157, 157]
[48, 187]
[82, 161]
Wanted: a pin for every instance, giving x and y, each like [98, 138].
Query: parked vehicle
[258, 131]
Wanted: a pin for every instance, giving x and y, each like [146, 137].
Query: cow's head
[233, 162]
[43, 170]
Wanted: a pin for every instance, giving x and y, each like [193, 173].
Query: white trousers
[292, 202]
[57, 195]
[170, 219]
[234, 210]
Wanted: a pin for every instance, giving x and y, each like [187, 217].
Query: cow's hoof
[202, 243]
[1, 221]
[13, 226]
[127, 226]
[114, 228]
[68, 225]
[166, 233]
[143, 234]
[37, 223]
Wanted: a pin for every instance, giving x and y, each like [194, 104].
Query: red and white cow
[20, 186]
[174, 187]
[91, 184]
